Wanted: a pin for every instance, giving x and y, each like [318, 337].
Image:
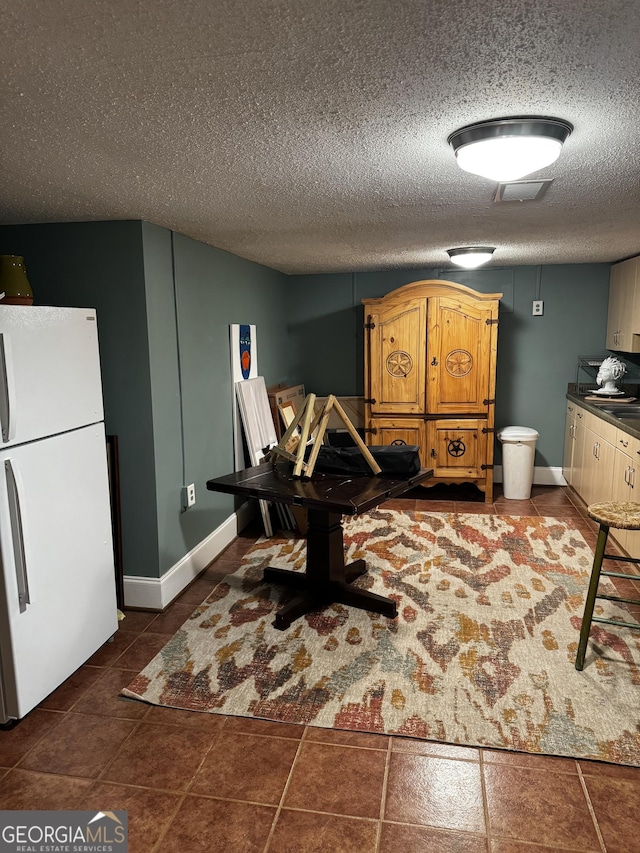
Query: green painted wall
[164, 384]
[164, 305]
[213, 290]
[100, 265]
[537, 356]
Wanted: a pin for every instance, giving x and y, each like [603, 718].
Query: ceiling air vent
[522, 190]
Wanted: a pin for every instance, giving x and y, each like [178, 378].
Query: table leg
[365, 600]
[285, 577]
[326, 578]
[298, 606]
[354, 570]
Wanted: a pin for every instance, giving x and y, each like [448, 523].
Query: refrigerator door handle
[17, 534]
[7, 391]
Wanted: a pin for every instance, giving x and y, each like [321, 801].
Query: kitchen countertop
[628, 425]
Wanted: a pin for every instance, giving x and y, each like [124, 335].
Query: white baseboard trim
[158, 593]
[541, 476]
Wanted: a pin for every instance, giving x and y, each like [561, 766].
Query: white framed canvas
[259, 431]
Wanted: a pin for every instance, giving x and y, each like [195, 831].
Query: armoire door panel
[459, 341]
[397, 345]
[456, 448]
[410, 431]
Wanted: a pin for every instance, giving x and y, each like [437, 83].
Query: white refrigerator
[57, 578]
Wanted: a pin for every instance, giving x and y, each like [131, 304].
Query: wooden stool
[623, 516]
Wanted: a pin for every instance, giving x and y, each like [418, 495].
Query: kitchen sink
[628, 410]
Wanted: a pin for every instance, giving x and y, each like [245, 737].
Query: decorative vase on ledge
[14, 284]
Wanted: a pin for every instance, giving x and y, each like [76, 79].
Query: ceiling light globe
[509, 149]
[508, 158]
[471, 257]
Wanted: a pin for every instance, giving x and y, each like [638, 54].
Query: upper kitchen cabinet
[623, 319]
[430, 361]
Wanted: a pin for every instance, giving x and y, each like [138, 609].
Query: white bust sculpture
[611, 369]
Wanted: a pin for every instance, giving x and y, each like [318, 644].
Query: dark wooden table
[326, 497]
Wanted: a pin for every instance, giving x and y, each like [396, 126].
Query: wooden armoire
[430, 366]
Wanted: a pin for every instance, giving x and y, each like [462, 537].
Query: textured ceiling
[311, 135]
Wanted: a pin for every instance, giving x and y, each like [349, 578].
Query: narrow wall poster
[244, 365]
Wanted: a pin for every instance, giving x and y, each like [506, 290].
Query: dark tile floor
[200, 782]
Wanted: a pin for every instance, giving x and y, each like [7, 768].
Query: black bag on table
[395, 460]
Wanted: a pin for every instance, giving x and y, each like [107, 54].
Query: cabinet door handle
[580, 414]
[625, 443]
[632, 478]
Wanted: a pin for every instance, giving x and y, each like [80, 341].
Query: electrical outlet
[538, 308]
[189, 496]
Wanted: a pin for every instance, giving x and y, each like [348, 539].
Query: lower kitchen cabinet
[602, 463]
[597, 459]
[626, 479]
[574, 446]
[569, 441]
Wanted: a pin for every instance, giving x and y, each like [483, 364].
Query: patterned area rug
[482, 652]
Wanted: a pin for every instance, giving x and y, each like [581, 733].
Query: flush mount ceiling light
[509, 148]
[471, 256]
